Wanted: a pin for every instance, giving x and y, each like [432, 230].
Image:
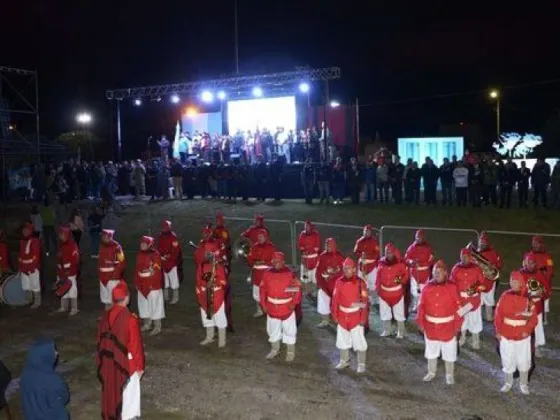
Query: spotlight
[221, 95]
[138, 102]
[175, 99]
[304, 87]
[257, 92]
[335, 104]
[207, 96]
[84, 118]
[191, 112]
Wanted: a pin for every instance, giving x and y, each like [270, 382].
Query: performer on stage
[169, 249]
[438, 317]
[280, 294]
[211, 285]
[110, 266]
[349, 310]
[252, 233]
[5, 264]
[366, 251]
[419, 257]
[120, 358]
[149, 282]
[30, 265]
[260, 259]
[309, 244]
[546, 266]
[495, 259]
[470, 282]
[328, 270]
[391, 284]
[516, 319]
[67, 267]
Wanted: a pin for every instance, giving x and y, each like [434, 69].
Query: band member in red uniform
[222, 234]
[309, 244]
[67, 267]
[328, 270]
[516, 319]
[349, 310]
[538, 293]
[280, 295]
[149, 282]
[419, 257]
[30, 265]
[208, 244]
[260, 260]
[5, 265]
[169, 249]
[366, 251]
[470, 283]
[252, 233]
[110, 266]
[494, 258]
[211, 285]
[544, 265]
[438, 317]
[391, 284]
[120, 358]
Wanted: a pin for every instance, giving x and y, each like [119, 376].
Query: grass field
[186, 381]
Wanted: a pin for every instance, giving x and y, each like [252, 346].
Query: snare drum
[11, 291]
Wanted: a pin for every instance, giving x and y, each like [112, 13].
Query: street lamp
[495, 95]
[85, 119]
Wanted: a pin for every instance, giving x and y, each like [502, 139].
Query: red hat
[440, 264]
[529, 257]
[27, 227]
[330, 242]
[108, 233]
[516, 276]
[259, 219]
[219, 219]
[349, 263]
[390, 247]
[308, 224]
[120, 292]
[262, 232]
[166, 225]
[466, 251]
[278, 257]
[206, 230]
[368, 228]
[420, 235]
[538, 239]
[65, 231]
[148, 240]
[483, 240]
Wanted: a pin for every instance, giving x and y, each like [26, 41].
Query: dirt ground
[186, 381]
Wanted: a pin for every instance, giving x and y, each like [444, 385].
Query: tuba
[489, 270]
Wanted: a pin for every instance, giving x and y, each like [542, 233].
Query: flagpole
[357, 126]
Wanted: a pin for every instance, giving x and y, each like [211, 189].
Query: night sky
[389, 52]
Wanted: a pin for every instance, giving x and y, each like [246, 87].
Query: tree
[84, 142]
[517, 145]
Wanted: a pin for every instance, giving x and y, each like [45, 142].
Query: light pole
[85, 119]
[495, 95]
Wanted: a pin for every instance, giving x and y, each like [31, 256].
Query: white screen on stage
[437, 148]
[262, 113]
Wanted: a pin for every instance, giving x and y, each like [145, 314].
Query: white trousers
[286, 330]
[171, 279]
[540, 339]
[218, 320]
[369, 278]
[414, 287]
[323, 303]
[353, 339]
[547, 305]
[106, 292]
[256, 293]
[472, 321]
[73, 292]
[488, 298]
[515, 354]
[310, 273]
[151, 307]
[386, 313]
[31, 282]
[131, 398]
[447, 349]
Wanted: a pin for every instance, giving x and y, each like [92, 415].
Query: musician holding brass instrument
[110, 266]
[211, 284]
[490, 261]
[546, 266]
[260, 260]
[309, 244]
[419, 257]
[29, 264]
[252, 233]
[470, 282]
[169, 249]
[67, 266]
[208, 243]
[366, 251]
[392, 280]
[328, 270]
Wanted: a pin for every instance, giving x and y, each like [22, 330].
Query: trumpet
[536, 289]
[489, 270]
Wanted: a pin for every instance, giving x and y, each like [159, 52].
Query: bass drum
[11, 291]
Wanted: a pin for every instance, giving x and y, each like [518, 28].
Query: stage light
[11, 127]
[221, 95]
[335, 104]
[191, 112]
[257, 92]
[84, 118]
[138, 102]
[304, 87]
[207, 96]
[175, 99]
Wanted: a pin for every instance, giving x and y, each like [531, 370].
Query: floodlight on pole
[84, 118]
[335, 104]
[175, 99]
[221, 95]
[495, 95]
[304, 87]
[138, 102]
[207, 96]
[257, 92]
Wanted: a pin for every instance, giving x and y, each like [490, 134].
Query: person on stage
[329, 269]
[495, 259]
[67, 267]
[366, 251]
[164, 145]
[391, 283]
[419, 258]
[309, 244]
[349, 311]
[515, 320]
[120, 358]
[169, 249]
[30, 265]
[110, 266]
[280, 294]
[149, 282]
[260, 259]
[546, 266]
[252, 233]
[439, 318]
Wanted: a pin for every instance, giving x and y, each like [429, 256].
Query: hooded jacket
[44, 394]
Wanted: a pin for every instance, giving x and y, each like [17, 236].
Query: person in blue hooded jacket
[44, 393]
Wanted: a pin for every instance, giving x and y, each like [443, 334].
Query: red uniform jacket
[110, 265]
[309, 245]
[539, 276]
[211, 245]
[29, 255]
[67, 259]
[222, 234]
[496, 260]
[120, 353]
[510, 320]
[437, 311]
[220, 285]
[4, 258]
[148, 275]
[260, 260]
[367, 253]
[328, 270]
[253, 234]
[275, 300]
[466, 277]
[348, 292]
[387, 289]
[169, 249]
[420, 258]
[546, 266]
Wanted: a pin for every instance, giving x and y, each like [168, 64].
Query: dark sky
[388, 51]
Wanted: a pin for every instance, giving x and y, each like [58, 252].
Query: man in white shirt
[461, 179]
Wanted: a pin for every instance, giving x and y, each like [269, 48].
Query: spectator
[396, 175]
[555, 184]
[490, 182]
[540, 177]
[139, 172]
[523, 185]
[430, 175]
[446, 176]
[308, 180]
[77, 225]
[476, 182]
[370, 179]
[324, 176]
[383, 181]
[95, 221]
[276, 171]
[506, 178]
[5, 379]
[49, 233]
[176, 172]
[461, 179]
[355, 181]
[37, 222]
[338, 181]
[412, 183]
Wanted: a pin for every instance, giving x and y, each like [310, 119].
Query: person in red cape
[309, 244]
[366, 251]
[328, 270]
[208, 244]
[439, 318]
[280, 294]
[391, 284]
[67, 267]
[252, 233]
[30, 265]
[545, 265]
[110, 266]
[349, 311]
[5, 264]
[419, 257]
[120, 358]
[515, 321]
[169, 249]
[495, 259]
[260, 259]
